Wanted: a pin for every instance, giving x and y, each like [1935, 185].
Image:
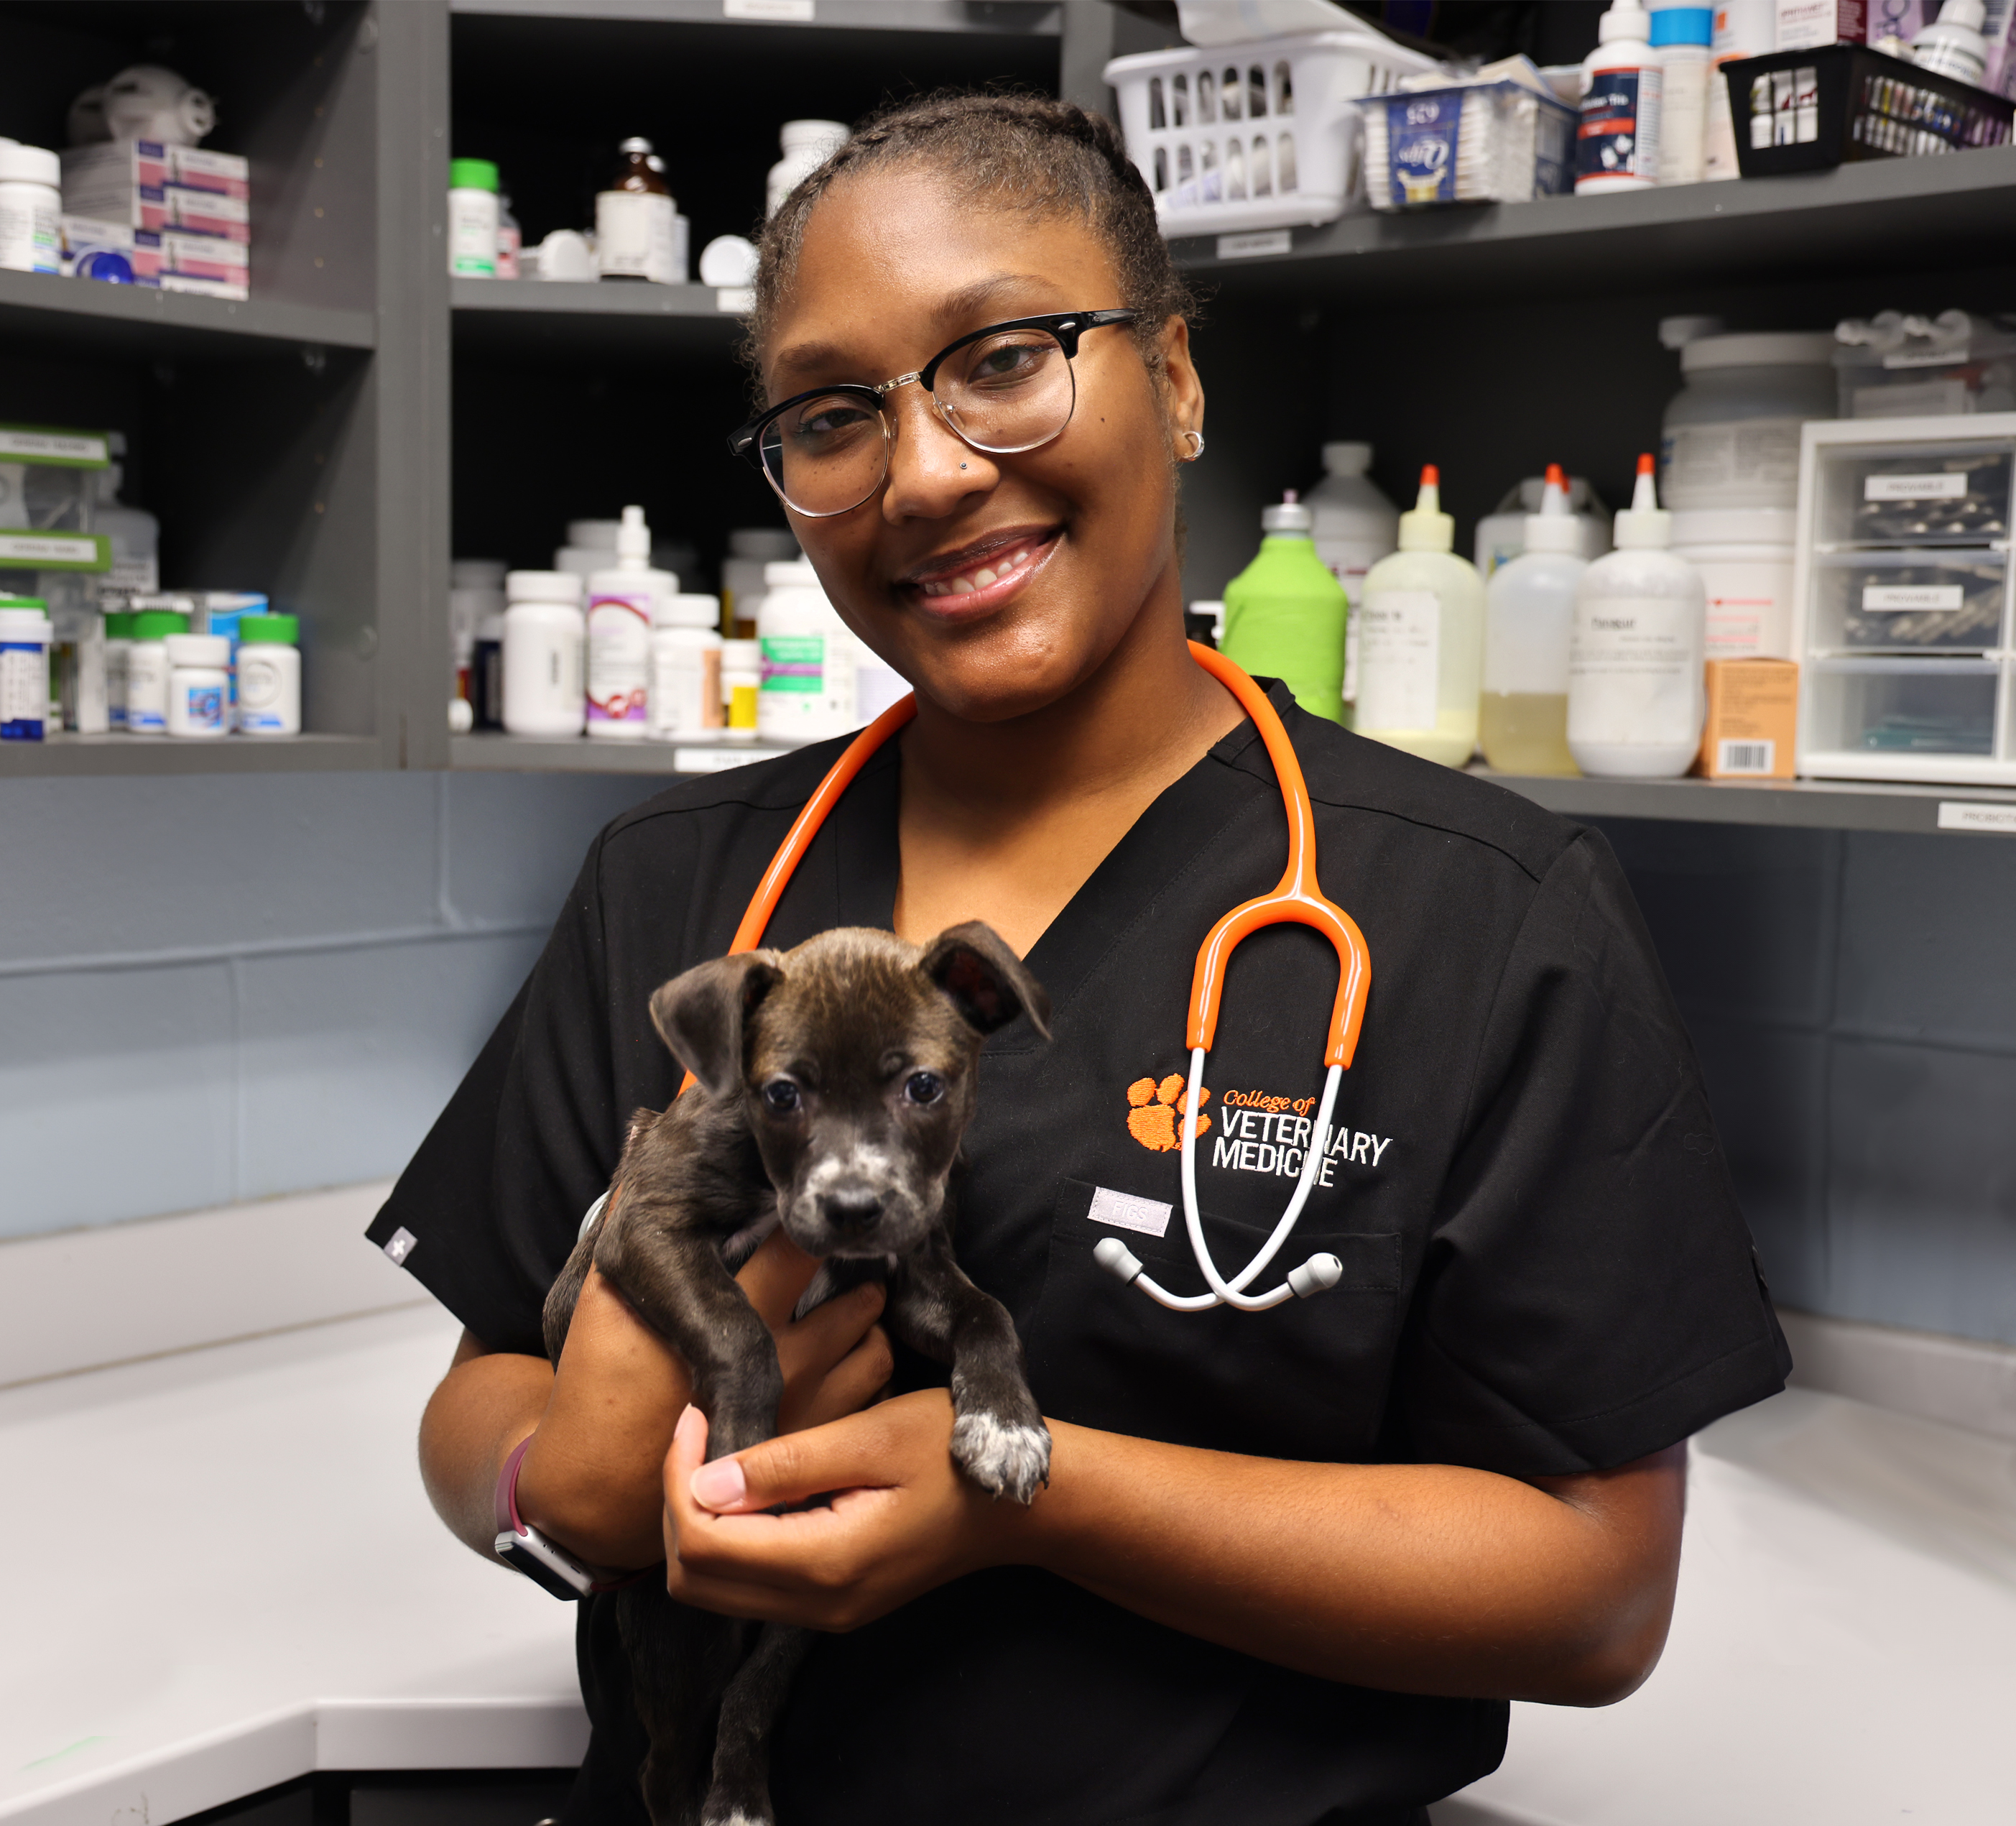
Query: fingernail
[720, 1484]
[687, 1416]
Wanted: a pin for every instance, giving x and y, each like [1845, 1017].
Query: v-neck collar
[1176, 832]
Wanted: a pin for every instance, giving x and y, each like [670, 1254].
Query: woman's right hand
[593, 1478]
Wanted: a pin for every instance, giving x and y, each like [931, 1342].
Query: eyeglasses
[1005, 389]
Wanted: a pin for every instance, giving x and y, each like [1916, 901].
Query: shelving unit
[400, 417]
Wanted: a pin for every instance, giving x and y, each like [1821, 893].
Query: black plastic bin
[1806, 110]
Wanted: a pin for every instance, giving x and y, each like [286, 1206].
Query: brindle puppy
[834, 1082]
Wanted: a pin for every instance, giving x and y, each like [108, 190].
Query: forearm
[1425, 1578]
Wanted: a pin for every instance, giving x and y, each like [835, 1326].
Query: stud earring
[1196, 444]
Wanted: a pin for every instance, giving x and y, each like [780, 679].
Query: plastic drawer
[1903, 706]
[1925, 601]
[1957, 495]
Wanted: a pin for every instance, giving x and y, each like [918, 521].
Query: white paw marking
[1001, 1455]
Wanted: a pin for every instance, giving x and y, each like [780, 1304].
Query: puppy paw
[723, 1810]
[1006, 1457]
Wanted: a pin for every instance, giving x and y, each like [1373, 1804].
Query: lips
[984, 572]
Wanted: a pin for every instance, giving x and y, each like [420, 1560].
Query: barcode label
[1746, 757]
[1951, 485]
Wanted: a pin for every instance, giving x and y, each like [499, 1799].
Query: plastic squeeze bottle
[1356, 526]
[621, 604]
[1617, 137]
[1637, 695]
[1421, 642]
[1285, 613]
[1528, 615]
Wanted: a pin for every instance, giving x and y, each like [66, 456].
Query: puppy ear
[986, 981]
[701, 1014]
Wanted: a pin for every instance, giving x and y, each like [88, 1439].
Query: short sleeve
[493, 1198]
[1589, 1293]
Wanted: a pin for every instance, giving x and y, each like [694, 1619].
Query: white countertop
[225, 1575]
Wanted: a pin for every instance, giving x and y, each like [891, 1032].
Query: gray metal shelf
[505, 754]
[72, 755]
[1037, 18]
[519, 317]
[1930, 211]
[1815, 804]
[87, 315]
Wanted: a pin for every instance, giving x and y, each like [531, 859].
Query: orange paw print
[1157, 1118]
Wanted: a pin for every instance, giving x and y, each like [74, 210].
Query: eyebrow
[967, 301]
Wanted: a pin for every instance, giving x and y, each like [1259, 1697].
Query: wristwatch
[520, 1545]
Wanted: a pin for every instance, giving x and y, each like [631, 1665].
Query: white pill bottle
[1617, 136]
[1636, 680]
[545, 690]
[472, 218]
[808, 659]
[685, 669]
[199, 685]
[31, 209]
[269, 675]
[807, 145]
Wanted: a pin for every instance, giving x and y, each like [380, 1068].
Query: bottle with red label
[1617, 139]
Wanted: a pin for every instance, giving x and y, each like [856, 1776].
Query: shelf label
[1251, 247]
[719, 760]
[1894, 599]
[1949, 485]
[62, 449]
[1976, 814]
[736, 300]
[56, 551]
[788, 12]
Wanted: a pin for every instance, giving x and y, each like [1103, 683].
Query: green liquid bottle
[1284, 614]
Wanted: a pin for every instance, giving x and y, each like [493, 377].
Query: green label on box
[50, 445]
[794, 662]
[55, 551]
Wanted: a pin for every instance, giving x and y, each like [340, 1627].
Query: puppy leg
[682, 1661]
[680, 1288]
[998, 1439]
[741, 1794]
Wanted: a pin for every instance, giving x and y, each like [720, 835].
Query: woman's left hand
[902, 1522]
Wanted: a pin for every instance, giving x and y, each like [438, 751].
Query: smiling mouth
[992, 571]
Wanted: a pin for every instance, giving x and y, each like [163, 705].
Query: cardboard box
[1753, 711]
[1804, 23]
[159, 207]
[84, 234]
[120, 166]
[203, 256]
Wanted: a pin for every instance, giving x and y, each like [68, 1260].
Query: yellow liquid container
[1420, 644]
[1526, 732]
[1528, 617]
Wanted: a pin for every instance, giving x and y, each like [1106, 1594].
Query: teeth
[982, 577]
[1017, 559]
[961, 587]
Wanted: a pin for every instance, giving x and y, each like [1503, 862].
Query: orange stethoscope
[1296, 900]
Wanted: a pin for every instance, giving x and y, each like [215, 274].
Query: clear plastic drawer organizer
[1903, 608]
[1265, 135]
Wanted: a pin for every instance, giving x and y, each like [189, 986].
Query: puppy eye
[782, 1095]
[925, 1087]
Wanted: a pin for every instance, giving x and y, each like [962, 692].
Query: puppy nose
[851, 1212]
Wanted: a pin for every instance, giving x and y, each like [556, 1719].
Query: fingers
[849, 1386]
[775, 1276]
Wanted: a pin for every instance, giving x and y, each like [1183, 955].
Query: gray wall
[1853, 998]
[217, 989]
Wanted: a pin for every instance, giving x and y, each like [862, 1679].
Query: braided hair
[1024, 153]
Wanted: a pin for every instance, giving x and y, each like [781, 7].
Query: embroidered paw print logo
[1158, 1114]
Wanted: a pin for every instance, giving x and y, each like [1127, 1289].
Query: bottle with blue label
[1617, 137]
[25, 634]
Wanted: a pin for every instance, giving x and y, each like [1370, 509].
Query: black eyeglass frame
[1067, 326]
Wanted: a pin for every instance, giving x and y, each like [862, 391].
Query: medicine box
[115, 168]
[1901, 599]
[141, 248]
[1753, 707]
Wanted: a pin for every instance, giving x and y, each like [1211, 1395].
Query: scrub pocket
[1305, 1380]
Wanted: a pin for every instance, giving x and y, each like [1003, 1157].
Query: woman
[1291, 1566]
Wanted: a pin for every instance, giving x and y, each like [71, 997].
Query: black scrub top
[1545, 1270]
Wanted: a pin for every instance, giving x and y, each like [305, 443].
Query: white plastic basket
[1258, 135]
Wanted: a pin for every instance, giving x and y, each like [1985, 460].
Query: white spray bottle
[1636, 664]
